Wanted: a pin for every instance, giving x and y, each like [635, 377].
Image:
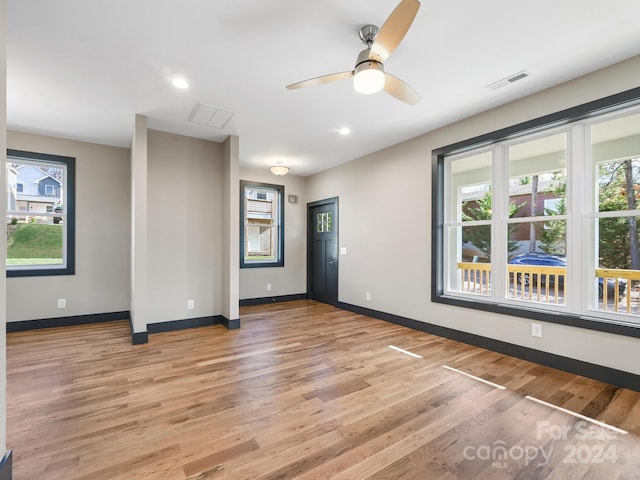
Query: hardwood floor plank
[214, 461]
[303, 391]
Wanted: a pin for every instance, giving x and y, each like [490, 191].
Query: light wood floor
[304, 391]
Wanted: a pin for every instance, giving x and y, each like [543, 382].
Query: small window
[40, 228]
[262, 225]
[324, 222]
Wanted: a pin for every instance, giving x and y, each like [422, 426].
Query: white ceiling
[82, 69]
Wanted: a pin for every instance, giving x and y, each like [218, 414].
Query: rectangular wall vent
[508, 80]
[210, 116]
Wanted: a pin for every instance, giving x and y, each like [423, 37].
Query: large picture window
[262, 225]
[40, 214]
[542, 220]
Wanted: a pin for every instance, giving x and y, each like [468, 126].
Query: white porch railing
[546, 285]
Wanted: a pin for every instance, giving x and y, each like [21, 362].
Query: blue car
[547, 260]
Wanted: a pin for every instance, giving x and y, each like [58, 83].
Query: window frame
[68, 243]
[279, 244]
[589, 110]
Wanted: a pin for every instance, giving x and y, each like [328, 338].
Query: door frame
[310, 231]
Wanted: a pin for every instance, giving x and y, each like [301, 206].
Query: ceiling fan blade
[394, 30]
[400, 90]
[333, 77]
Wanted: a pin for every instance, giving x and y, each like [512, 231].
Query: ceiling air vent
[210, 116]
[510, 79]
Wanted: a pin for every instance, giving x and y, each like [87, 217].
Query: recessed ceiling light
[344, 131]
[180, 83]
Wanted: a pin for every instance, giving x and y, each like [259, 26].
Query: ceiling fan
[368, 74]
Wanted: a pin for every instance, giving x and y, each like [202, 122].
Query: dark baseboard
[183, 324]
[232, 324]
[265, 300]
[6, 466]
[66, 321]
[138, 338]
[571, 365]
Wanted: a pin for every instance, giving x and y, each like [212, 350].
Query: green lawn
[32, 243]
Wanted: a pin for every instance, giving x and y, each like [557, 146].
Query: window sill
[573, 320]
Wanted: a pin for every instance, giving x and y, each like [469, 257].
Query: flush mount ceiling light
[344, 131]
[279, 169]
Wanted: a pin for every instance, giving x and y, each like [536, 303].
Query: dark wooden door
[322, 263]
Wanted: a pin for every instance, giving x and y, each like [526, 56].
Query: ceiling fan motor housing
[368, 34]
[365, 63]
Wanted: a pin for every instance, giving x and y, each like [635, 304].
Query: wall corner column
[139, 235]
[5, 455]
[231, 232]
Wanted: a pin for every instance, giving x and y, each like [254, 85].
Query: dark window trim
[280, 245]
[70, 163]
[611, 103]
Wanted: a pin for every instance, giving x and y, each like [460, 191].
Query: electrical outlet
[191, 304]
[368, 296]
[62, 303]
[268, 287]
[536, 330]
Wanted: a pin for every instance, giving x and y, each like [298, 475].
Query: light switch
[343, 250]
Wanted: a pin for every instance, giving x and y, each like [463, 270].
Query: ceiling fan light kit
[368, 74]
[368, 77]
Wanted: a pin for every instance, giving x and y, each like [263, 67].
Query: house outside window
[40, 214]
[544, 221]
[262, 225]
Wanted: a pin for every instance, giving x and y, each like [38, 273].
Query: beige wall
[184, 214]
[101, 282]
[139, 269]
[230, 228]
[292, 278]
[3, 228]
[385, 222]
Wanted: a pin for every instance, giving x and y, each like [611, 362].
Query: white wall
[184, 218]
[385, 221]
[102, 255]
[292, 278]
